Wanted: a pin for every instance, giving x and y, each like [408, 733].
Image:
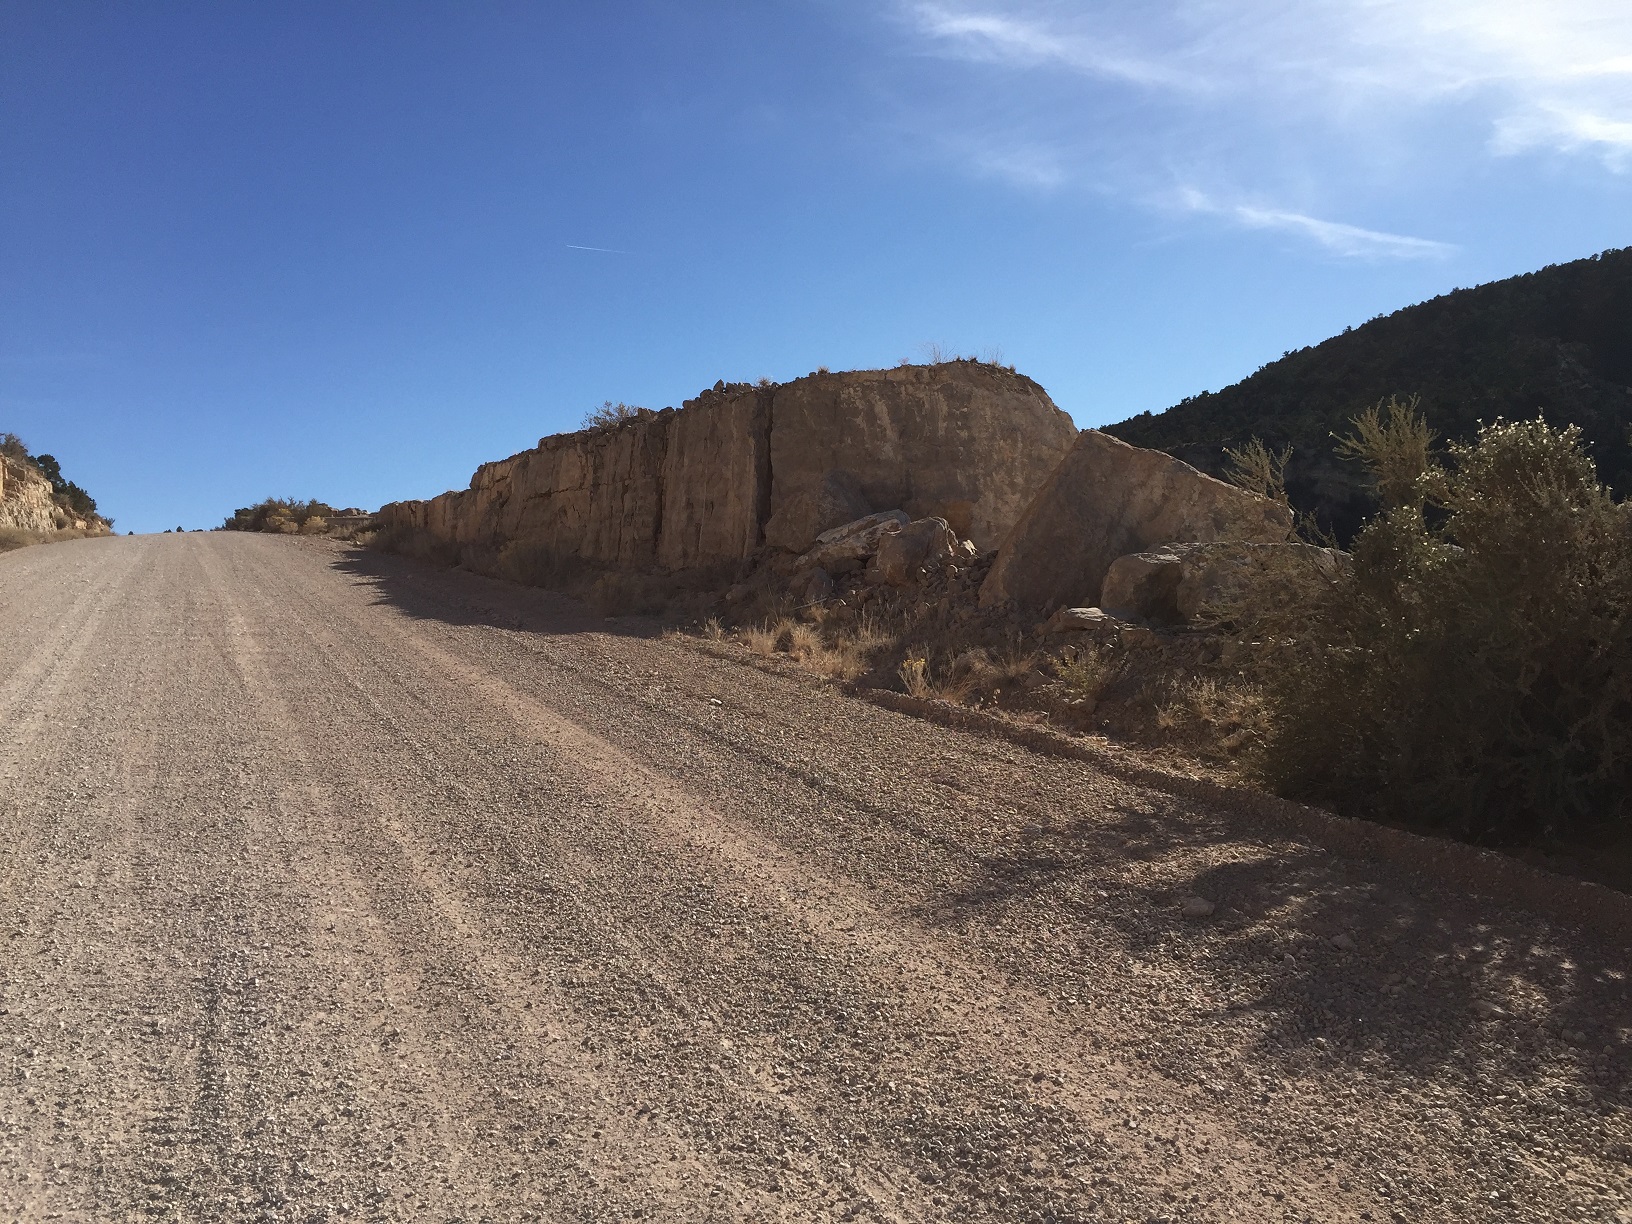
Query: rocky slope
[743, 466]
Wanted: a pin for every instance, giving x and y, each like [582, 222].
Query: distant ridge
[1557, 341]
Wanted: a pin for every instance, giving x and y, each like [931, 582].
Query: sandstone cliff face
[961, 441]
[1106, 500]
[25, 498]
[742, 466]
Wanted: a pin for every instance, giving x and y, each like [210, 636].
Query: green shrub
[1474, 672]
[281, 514]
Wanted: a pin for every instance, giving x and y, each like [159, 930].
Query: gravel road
[337, 888]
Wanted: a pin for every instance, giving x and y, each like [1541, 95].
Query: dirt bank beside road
[336, 888]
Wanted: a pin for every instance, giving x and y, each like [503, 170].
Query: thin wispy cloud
[1306, 105]
[573, 246]
[1513, 57]
[1569, 132]
[1004, 37]
[1337, 237]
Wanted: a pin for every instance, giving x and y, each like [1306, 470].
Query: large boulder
[903, 555]
[1191, 583]
[960, 440]
[1108, 499]
[1145, 585]
[849, 546]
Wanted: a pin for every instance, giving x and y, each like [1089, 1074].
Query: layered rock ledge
[742, 467]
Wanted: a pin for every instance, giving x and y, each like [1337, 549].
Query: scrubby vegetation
[1471, 674]
[610, 415]
[1558, 341]
[1474, 673]
[297, 516]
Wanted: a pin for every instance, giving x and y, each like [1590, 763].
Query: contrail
[603, 250]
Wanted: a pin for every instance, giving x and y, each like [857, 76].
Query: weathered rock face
[670, 489]
[963, 441]
[1108, 499]
[743, 466]
[25, 498]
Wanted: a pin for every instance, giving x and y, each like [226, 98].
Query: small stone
[1487, 1010]
[1197, 907]
[1343, 942]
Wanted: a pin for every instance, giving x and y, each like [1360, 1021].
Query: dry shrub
[1084, 672]
[1474, 673]
[281, 514]
[610, 415]
[760, 640]
[914, 675]
[1210, 713]
[15, 537]
[1258, 469]
[801, 640]
[713, 630]
[1393, 440]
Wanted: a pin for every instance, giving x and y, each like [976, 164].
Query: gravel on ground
[334, 887]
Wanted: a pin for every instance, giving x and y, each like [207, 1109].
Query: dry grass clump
[760, 641]
[1214, 714]
[1083, 672]
[12, 538]
[833, 651]
[915, 679]
[15, 537]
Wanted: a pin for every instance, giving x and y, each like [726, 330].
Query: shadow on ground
[461, 597]
[1326, 957]
[1434, 981]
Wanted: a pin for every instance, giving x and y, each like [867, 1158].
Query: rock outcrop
[26, 503]
[1106, 500]
[741, 467]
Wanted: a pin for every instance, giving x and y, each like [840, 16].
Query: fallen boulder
[1106, 500]
[1144, 586]
[1186, 583]
[1080, 620]
[902, 555]
[849, 546]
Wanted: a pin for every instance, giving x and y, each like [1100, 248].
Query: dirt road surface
[337, 888]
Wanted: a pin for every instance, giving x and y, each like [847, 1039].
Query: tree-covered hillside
[1557, 342]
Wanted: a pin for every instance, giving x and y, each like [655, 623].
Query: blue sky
[337, 249]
